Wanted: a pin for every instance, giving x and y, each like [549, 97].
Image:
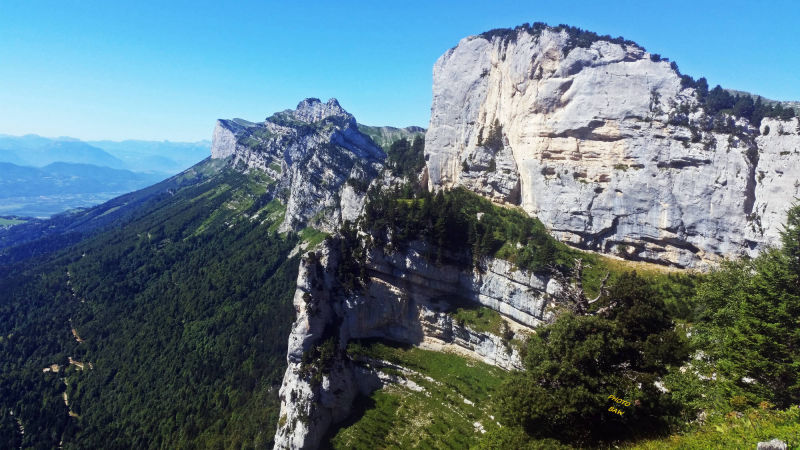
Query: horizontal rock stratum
[604, 145]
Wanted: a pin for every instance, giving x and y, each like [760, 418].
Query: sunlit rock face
[605, 146]
[310, 153]
[406, 300]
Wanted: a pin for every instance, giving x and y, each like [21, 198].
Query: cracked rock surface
[406, 301]
[604, 146]
[315, 154]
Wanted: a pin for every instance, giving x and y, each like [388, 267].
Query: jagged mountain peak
[313, 110]
[312, 118]
[316, 159]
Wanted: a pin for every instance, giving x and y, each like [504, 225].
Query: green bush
[575, 364]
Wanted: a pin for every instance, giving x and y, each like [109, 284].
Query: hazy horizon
[89, 141]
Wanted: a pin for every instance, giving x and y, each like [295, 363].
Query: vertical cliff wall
[406, 300]
[603, 144]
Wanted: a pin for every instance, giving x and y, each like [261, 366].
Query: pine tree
[702, 89]
[752, 311]
[790, 237]
[576, 363]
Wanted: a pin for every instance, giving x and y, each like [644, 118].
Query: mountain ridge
[37, 151]
[179, 298]
[132, 154]
[321, 159]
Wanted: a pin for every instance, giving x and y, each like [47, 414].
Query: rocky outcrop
[601, 142]
[519, 295]
[406, 300]
[774, 444]
[319, 162]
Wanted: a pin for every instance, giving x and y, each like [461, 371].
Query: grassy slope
[734, 432]
[456, 394]
[438, 417]
[312, 236]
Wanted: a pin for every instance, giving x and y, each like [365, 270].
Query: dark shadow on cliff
[361, 405]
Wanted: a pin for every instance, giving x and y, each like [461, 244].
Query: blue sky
[168, 69]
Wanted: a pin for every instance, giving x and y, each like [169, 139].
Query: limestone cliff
[320, 161]
[405, 300]
[597, 138]
[317, 162]
[601, 142]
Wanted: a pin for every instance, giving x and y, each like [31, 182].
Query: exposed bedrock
[315, 155]
[406, 300]
[607, 149]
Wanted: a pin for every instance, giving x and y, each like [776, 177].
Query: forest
[182, 316]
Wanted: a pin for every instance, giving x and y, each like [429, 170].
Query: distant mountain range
[36, 151]
[42, 176]
[139, 156]
[156, 156]
[33, 191]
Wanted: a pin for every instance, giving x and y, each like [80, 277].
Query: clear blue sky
[168, 69]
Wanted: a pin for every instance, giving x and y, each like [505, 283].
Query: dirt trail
[80, 365]
[66, 402]
[77, 337]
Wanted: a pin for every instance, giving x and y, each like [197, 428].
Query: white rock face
[777, 185]
[223, 142]
[606, 148]
[405, 301]
[308, 409]
[310, 153]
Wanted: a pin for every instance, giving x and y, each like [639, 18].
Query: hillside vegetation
[672, 346]
[386, 136]
[439, 408]
[169, 332]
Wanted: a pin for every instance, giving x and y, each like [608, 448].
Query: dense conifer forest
[168, 332]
